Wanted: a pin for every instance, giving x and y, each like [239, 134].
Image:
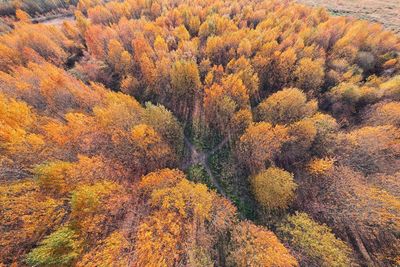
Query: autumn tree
[53, 177]
[284, 67]
[286, 106]
[185, 82]
[390, 88]
[183, 221]
[150, 150]
[165, 123]
[345, 201]
[27, 214]
[93, 207]
[247, 74]
[45, 41]
[310, 75]
[20, 140]
[50, 89]
[302, 135]
[110, 251]
[22, 16]
[273, 188]
[260, 143]
[221, 102]
[61, 248]
[319, 166]
[162, 178]
[316, 242]
[370, 149]
[119, 58]
[385, 113]
[253, 245]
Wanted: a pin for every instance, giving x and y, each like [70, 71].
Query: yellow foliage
[273, 188]
[310, 74]
[158, 240]
[118, 111]
[163, 178]
[53, 177]
[259, 143]
[320, 166]
[110, 252]
[252, 245]
[22, 15]
[26, 215]
[16, 121]
[388, 113]
[286, 106]
[92, 206]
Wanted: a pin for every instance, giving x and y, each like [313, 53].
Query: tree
[19, 139]
[320, 166]
[117, 111]
[94, 206]
[370, 149]
[219, 108]
[310, 75]
[235, 88]
[240, 121]
[53, 177]
[61, 248]
[110, 252]
[165, 123]
[221, 102]
[259, 144]
[273, 188]
[385, 113]
[22, 16]
[50, 89]
[160, 46]
[252, 245]
[163, 178]
[44, 41]
[327, 128]
[215, 50]
[391, 89]
[185, 82]
[182, 33]
[184, 217]
[26, 216]
[244, 48]
[302, 135]
[357, 210]
[150, 150]
[284, 67]
[243, 68]
[148, 70]
[316, 242]
[286, 106]
[119, 58]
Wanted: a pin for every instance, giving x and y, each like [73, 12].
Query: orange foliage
[255, 246]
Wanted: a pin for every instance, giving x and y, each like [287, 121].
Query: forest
[239, 133]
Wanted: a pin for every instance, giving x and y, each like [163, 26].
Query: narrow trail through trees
[200, 157]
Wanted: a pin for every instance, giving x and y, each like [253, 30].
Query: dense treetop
[209, 133]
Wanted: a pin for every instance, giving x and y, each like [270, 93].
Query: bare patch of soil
[386, 12]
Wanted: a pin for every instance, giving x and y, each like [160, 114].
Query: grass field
[386, 12]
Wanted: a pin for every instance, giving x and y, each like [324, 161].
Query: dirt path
[56, 20]
[200, 157]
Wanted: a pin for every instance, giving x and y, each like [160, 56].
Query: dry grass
[386, 12]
